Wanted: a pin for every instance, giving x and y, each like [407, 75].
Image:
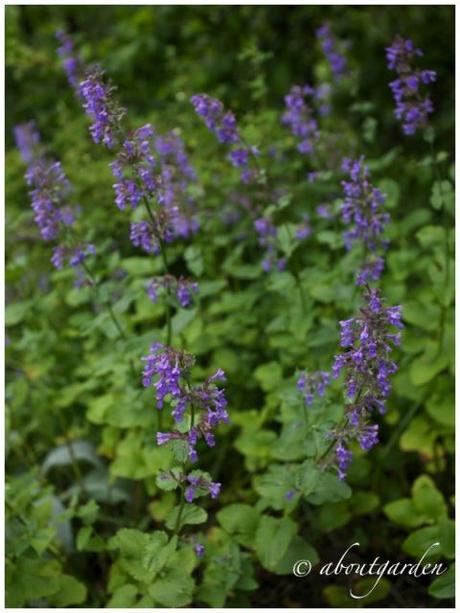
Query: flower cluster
[176, 176]
[223, 125]
[310, 384]
[303, 229]
[360, 209]
[330, 48]
[300, 117]
[367, 366]
[71, 62]
[101, 106]
[412, 108]
[184, 289]
[27, 140]
[151, 167]
[49, 194]
[268, 232]
[169, 371]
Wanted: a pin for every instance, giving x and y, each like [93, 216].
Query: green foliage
[92, 511]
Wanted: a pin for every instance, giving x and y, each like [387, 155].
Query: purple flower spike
[412, 106]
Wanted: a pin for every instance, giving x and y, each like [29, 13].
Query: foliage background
[68, 377]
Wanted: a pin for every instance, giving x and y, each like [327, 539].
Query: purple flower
[100, 106]
[184, 289]
[344, 457]
[330, 45]
[310, 384]
[368, 437]
[299, 116]
[71, 61]
[268, 232]
[367, 366]
[220, 122]
[27, 140]
[412, 107]
[199, 549]
[200, 485]
[361, 210]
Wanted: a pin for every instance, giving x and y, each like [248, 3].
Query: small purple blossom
[101, 107]
[27, 140]
[220, 122]
[344, 457]
[412, 107]
[71, 61]
[368, 367]
[184, 289]
[311, 384]
[361, 210]
[299, 116]
[330, 47]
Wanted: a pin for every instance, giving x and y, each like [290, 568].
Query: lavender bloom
[220, 122]
[268, 232]
[167, 365]
[200, 486]
[101, 107]
[184, 289]
[324, 211]
[171, 370]
[311, 384]
[303, 230]
[223, 125]
[329, 45]
[344, 457]
[71, 62]
[412, 108]
[49, 193]
[367, 367]
[141, 235]
[360, 209]
[27, 140]
[75, 255]
[199, 549]
[300, 117]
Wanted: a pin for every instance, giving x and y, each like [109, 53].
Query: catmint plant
[197, 409]
[223, 125]
[50, 191]
[331, 48]
[312, 384]
[412, 106]
[300, 117]
[361, 209]
[367, 340]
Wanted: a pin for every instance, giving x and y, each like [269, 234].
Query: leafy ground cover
[229, 320]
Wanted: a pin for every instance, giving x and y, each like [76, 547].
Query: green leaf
[269, 375]
[241, 521]
[273, 537]
[447, 537]
[194, 260]
[191, 514]
[444, 585]
[169, 479]
[64, 456]
[329, 488]
[428, 500]
[174, 588]
[404, 513]
[71, 592]
[422, 541]
[123, 597]
[298, 550]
